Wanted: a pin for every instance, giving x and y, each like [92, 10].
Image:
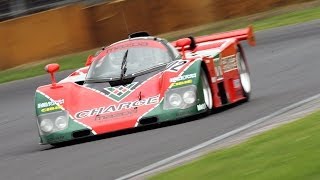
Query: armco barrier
[74, 28]
[42, 35]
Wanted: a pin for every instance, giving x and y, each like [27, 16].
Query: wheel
[207, 95]
[244, 76]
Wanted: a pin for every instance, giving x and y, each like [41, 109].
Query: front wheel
[207, 95]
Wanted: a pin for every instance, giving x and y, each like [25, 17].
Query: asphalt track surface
[284, 70]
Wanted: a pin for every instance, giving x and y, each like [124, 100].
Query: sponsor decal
[116, 108]
[56, 138]
[182, 78]
[50, 103]
[104, 117]
[175, 66]
[229, 63]
[127, 45]
[201, 107]
[236, 83]
[213, 79]
[182, 83]
[49, 109]
[119, 92]
[217, 67]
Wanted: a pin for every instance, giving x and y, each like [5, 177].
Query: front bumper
[157, 115]
[160, 115]
[73, 132]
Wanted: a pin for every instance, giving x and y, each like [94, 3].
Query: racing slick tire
[244, 75]
[207, 94]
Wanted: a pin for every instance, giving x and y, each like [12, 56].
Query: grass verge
[288, 152]
[35, 69]
[271, 19]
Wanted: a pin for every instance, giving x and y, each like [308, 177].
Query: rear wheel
[244, 76]
[207, 95]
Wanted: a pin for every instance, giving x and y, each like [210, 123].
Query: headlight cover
[61, 122]
[180, 98]
[46, 125]
[175, 100]
[189, 97]
[52, 122]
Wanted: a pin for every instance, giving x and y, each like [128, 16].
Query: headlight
[61, 122]
[189, 97]
[180, 98]
[46, 125]
[53, 122]
[175, 100]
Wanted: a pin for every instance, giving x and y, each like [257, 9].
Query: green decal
[45, 105]
[120, 92]
[189, 76]
[64, 135]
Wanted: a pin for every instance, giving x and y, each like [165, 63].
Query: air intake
[82, 133]
[147, 121]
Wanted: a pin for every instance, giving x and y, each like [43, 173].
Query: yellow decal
[181, 83]
[50, 109]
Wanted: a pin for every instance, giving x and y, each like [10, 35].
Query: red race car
[144, 80]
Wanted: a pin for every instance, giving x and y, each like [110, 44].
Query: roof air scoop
[139, 34]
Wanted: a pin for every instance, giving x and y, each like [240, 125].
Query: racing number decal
[175, 66]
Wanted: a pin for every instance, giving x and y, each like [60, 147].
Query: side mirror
[90, 59]
[182, 43]
[51, 69]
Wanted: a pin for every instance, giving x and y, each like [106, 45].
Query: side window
[175, 52]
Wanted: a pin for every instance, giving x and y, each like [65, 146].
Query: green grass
[260, 22]
[31, 70]
[289, 18]
[288, 152]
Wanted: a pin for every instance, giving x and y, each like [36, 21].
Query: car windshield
[133, 56]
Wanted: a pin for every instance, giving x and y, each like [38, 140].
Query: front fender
[190, 75]
[50, 107]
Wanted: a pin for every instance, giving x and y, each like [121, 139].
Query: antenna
[125, 21]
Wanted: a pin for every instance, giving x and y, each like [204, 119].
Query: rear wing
[240, 35]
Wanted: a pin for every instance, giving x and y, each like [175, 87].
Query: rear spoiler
[240, 35]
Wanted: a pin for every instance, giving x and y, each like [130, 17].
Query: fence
[76, 27]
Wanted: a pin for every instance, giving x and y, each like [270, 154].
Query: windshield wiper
[124, 64]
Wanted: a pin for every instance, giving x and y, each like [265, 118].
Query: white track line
[216, 139]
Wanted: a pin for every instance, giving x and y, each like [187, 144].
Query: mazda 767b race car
[144, 80]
